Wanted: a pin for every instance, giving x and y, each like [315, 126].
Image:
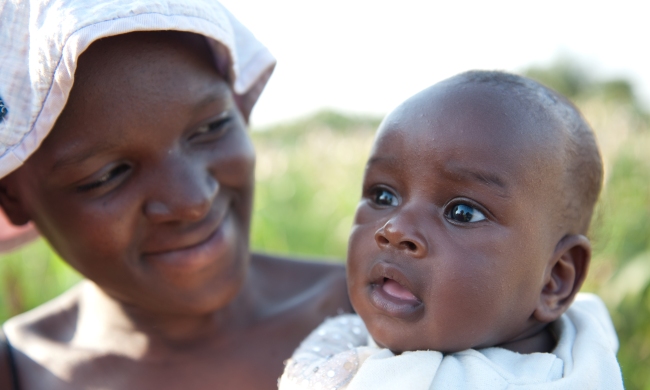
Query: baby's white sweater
[339, 354]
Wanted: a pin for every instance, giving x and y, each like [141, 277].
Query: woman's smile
[192, 257]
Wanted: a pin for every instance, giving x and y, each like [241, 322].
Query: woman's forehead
[135, 80]
[125, 73]
[139, 56]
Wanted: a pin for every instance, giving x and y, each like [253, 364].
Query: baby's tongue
[397, 290]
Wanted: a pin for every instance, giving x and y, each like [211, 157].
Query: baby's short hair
[584, 169]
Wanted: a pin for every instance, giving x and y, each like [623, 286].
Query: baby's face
[455, 227]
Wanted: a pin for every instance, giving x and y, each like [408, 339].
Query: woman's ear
[564, 276]
[11, 204]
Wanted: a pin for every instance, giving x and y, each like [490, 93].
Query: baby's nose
[399, 234]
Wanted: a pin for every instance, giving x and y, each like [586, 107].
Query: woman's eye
[385, 198]
[212, 130]
[105, 178]
[465, 213]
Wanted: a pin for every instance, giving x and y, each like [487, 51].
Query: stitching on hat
[3, 110]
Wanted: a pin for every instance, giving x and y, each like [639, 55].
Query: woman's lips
[193, 257]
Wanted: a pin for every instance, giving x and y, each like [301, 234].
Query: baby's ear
[11, 205]
[565, 274]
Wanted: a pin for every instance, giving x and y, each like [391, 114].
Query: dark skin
[459, 240]
[157, 217]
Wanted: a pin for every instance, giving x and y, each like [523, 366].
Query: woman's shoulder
[311, 268]
[314, 282]
[50, 321]
[37, 335]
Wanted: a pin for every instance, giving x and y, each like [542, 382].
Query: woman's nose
[402, 234]
[181, 192]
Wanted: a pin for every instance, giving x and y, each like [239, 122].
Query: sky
[366, 57]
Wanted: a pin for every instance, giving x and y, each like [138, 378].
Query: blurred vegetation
[308, 184]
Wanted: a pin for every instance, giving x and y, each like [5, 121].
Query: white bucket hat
[41, 40]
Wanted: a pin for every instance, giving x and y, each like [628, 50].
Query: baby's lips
[396, 290]
[393, 295]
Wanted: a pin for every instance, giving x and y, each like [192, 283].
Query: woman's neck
[107, 324]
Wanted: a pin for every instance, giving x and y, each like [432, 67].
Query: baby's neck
[541, 341]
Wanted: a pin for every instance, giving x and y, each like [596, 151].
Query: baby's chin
[540, 341]
[397, 346]
[398, 342]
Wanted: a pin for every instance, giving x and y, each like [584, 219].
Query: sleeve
[329, 357]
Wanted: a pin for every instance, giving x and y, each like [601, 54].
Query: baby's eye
[105, 178]
[384, 197]
[464, 213]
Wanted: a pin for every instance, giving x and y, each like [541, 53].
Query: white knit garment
[41, 40]
[339, 354]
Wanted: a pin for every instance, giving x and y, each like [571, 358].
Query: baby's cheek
[364, 214]
[362, 249]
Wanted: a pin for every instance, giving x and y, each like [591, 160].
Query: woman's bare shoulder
[312, 280]
[302, 266]
[52, 321]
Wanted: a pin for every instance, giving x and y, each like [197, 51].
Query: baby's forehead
[477, 112]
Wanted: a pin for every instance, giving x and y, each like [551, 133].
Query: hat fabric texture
[41, 41]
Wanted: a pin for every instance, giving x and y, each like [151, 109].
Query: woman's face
[145, 184]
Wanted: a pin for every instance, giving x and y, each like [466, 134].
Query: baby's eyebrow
[491, 179]
[381, 160]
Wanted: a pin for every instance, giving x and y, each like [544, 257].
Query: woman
[141, 177]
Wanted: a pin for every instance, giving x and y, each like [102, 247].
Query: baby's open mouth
[396, 290]
[395, 293]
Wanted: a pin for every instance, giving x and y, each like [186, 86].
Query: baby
[468, 248]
